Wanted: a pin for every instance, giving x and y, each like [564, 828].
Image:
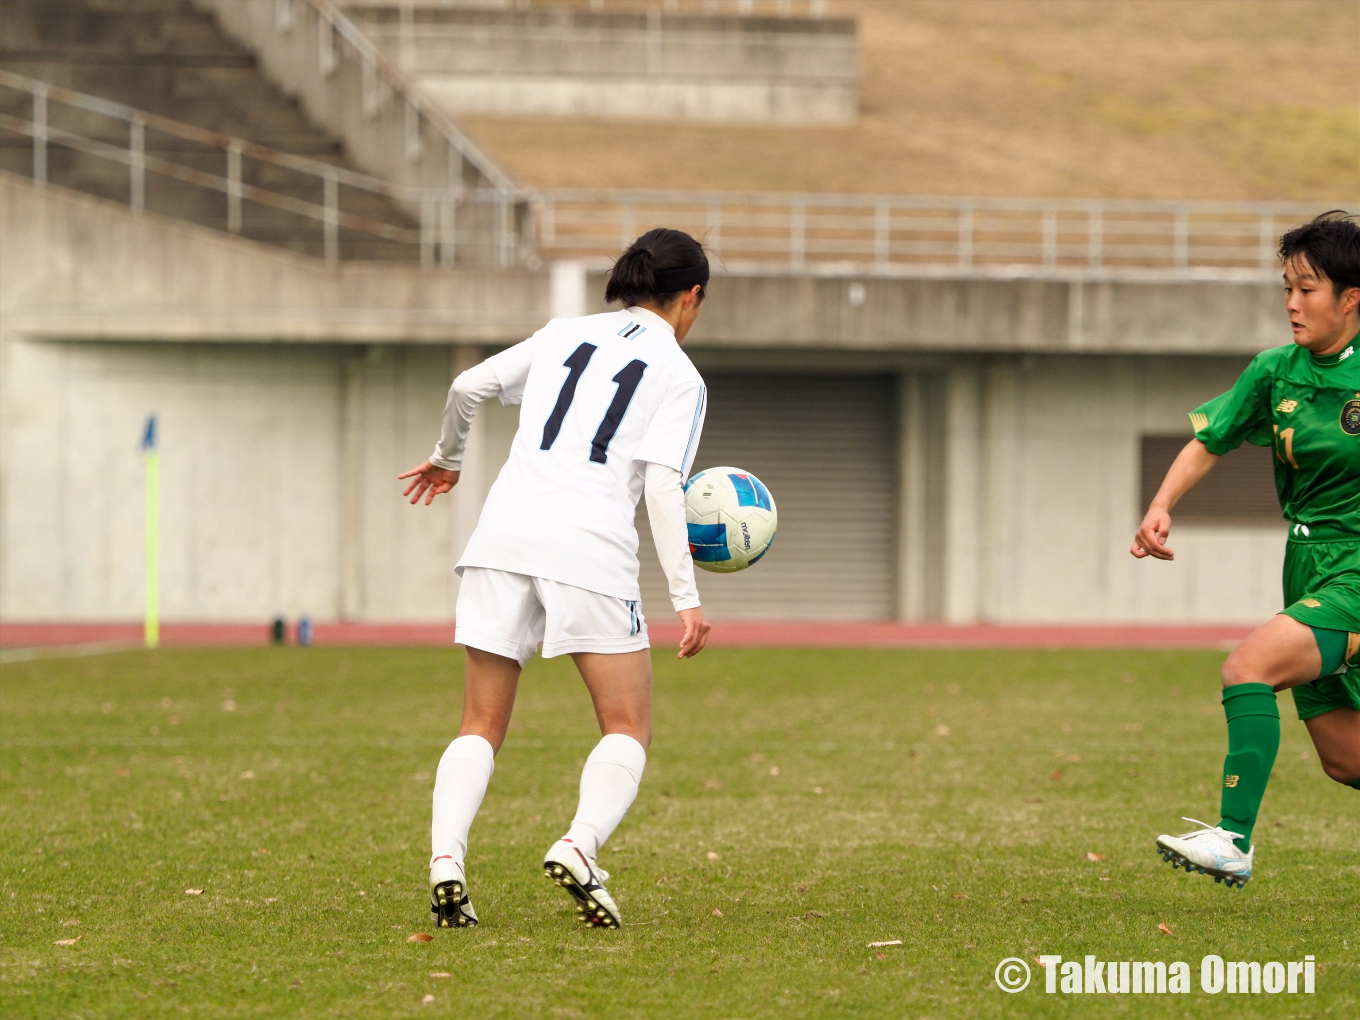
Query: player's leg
[499, 619]
[621, 689]
[1281, 654]
[1336, 735]
[1284, 653]
[607, 638]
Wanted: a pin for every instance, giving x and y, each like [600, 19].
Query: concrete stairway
[170, 58]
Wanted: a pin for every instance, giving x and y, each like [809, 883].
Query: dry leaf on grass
[1165, 929]
[1092, 856]
[193, 892]
[421, 936]
[880, 955]
[427, 1000]
[774, 770]
[717, 912]
[68, 942]
[440, 974]
[1056, 775]
[962, 896]
[892, 942]
[713, 855]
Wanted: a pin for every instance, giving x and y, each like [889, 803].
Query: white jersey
[600, 396]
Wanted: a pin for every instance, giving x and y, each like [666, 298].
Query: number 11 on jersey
[628, 379]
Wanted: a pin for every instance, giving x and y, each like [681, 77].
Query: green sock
[1253, 739]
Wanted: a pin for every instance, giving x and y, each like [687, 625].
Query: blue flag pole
[152, 601]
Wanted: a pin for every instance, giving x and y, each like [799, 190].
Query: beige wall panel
[1060, 470]
[278, 473]
[249, 458]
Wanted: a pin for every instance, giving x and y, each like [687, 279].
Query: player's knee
[1345, 772]
[1236, 669]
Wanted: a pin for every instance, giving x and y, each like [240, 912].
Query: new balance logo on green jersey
[1287, 406]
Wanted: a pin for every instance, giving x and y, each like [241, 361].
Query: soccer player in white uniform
[610, 409]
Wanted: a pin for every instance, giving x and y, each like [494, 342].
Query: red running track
[727, 634]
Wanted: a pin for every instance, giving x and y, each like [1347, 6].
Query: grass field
[797, 806]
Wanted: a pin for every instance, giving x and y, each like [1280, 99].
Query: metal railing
[744, 8]
[378, 72]
[355, 215]
[412, 223]
[893, 234]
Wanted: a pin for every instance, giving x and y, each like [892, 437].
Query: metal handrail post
[1050, 239]
[325, 47]
[882, 240]
[547, 223]
[332, 218]
[234, 188]
[137, 164]
[966, 235]
[426, 231]
[448, 224]
[1267, 240]
[40, 134]
[1095, 237]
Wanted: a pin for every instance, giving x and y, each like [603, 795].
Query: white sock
[609, 782]
[459, 786]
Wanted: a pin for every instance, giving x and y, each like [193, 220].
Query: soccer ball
[731, 518]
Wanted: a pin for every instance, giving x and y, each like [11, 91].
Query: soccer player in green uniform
[1303, 400]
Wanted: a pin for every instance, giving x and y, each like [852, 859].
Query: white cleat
[566, 866]
[449, 904]
[1210, 851]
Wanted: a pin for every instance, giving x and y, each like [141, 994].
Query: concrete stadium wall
[625, 64]
[290, 395]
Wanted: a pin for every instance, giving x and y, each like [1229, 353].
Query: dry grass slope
[1215, 99]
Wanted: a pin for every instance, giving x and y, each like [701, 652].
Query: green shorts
[1322, 589]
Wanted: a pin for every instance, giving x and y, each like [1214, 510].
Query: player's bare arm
[1188, 470]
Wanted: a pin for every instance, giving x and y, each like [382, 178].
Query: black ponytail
[656, 268]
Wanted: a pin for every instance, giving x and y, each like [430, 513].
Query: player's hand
[1152, 535]
[429, 482]
[696, 632]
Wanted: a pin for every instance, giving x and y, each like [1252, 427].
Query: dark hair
[657, 267]
[1330, 246]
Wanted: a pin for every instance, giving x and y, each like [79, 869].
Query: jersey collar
[651, 320]
[1344, 354]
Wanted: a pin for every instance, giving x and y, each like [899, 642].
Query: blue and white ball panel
[732, 518]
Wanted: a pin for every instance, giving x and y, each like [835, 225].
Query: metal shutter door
[826, 447]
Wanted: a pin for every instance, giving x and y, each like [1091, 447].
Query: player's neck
[1345, 336]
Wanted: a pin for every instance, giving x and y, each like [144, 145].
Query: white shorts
[509, 614]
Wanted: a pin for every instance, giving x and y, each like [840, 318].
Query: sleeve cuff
[445, 463]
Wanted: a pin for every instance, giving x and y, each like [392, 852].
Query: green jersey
[1308, 409]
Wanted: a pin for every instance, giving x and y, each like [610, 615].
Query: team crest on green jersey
[1350, 417]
